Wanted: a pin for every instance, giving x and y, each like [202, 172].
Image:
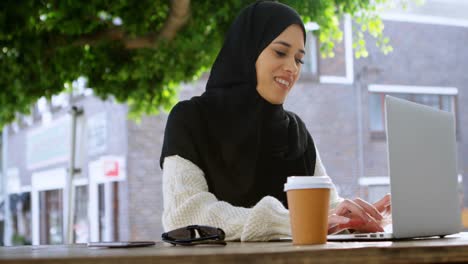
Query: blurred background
[85, 90]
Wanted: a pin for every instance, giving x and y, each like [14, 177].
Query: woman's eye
[280, 53]
[299, 61]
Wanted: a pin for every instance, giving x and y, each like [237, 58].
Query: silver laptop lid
[422, 167]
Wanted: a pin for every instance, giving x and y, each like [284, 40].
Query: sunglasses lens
[180, 234]
[206, 231]
[221, 234]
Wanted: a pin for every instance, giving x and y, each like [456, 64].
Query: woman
[227, 153]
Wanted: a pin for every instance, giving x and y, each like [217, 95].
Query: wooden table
[450, 249]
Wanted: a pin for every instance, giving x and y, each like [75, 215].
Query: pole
[69, 190]
[7, 232]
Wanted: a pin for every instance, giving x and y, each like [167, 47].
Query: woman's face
[279, 65]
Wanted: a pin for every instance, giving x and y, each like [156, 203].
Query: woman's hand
[360, 215]
[384, 205]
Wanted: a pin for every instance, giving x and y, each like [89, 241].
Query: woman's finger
[354, 223]
[383, 203]
[369, 208]
[336, 223]
[348, 207]
[337, 220]
[388, 210]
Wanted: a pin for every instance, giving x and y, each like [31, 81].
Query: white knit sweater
[187, 201]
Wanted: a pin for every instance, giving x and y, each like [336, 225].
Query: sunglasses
[195, 235]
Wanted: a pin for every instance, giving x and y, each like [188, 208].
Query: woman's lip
[283, 86]
[284, 78]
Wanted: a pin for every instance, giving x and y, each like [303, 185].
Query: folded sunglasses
[195, 235]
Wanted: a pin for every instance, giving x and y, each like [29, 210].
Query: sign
[97, 134]
[48, 144]
[111, 168]
[107, 169]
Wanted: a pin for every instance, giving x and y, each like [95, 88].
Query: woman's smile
[284, 84]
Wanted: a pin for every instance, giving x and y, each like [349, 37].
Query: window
[81, 226]
[20, 208]
[108, 211]
[310, 64]
[309, 69]
[51, 217]
[444, 100]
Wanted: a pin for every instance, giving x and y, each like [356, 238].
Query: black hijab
[246, 146]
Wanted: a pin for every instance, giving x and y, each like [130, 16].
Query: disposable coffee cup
[308, 202]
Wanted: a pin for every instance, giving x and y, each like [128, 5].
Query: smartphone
[121, 244]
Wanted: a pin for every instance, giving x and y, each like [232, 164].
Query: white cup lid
[307, 182]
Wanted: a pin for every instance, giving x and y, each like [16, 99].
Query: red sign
[111, 168]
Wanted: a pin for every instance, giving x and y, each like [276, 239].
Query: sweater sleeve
[187, 201]
[335, 199]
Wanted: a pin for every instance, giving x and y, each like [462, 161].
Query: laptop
[421, 149]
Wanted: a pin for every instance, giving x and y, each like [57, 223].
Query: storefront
[96, 205]
[38, 168]
[105, 175]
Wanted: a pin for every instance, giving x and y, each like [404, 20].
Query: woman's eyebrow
[287, 45]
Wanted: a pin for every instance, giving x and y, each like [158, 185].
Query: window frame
[312, 55]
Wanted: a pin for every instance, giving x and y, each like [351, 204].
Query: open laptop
[422, 166]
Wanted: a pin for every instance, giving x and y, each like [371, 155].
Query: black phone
[121, 244]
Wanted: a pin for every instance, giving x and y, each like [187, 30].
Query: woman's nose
[291, 66]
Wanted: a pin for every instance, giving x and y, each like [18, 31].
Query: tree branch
[178, 17]
[180, 13]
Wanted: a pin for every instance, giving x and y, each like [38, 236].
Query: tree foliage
[46, 44]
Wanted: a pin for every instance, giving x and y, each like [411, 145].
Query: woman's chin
[276, 101]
